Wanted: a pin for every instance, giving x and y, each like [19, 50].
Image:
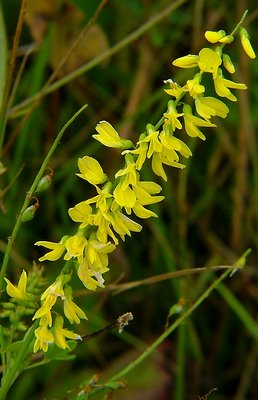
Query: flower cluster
[107, 217]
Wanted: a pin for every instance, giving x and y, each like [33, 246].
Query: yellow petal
[246, 43]
[214, 36]
[91, 170]
[188, 61]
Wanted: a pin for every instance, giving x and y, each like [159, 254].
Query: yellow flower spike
[246, 43]
[188, 61]
[108, 136]
[209, 61]
[91, 170]
[222, 86]
[228, 63]
[19, 291]
[214, 36]
[57, 249]
[207, 107]
[43, 338]
[60, 334]
[192, 123]
[227, 39]
[72, 312]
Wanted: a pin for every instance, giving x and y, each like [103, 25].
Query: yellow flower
[72, 312]
[43, 338]
[214, 36]
[194, 87]
[96, 253]
[210, 106]
[128, 173]
[45, 310]
[19, 291]
[60, 334]
[171, 116]
[86, 274]
[56, 289]
[108, 136]
[222, 86]
[81, 212]
[175, 89]
[173, 143]
[75, 246]
[91, 170]
[209, 61]
[246, 43]
[102, 199]
[124, 197]
[192, 123]
[188, 61]
[57, 249]
[228, 63]
[123, 225]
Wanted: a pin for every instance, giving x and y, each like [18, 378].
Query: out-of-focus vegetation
[209, 216]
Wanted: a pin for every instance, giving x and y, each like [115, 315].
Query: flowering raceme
[104, 218]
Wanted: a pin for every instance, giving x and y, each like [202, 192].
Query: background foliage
[209, 217]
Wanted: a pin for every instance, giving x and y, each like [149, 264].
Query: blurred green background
[209, 216]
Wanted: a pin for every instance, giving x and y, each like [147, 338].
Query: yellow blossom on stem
[81, 212]
[171, 116]
[188, 61]
[108, 136]
[57, 249]
[19, 291]
[246, 43]
[209, 61]
[192, 123]
[194, 87]
[222, 86]
[210, 106]
[43, 338]
[72, 312]
[214, 36]
[61, 334]
[228, 63]
[91, 170]
[75, 246]
[175, 89]
[102, 198]
[90, 278]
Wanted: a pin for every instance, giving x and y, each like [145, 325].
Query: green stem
[31, 191]
[18, 363]
[239, 23]
[97, 60]
[242, 313]
[164, 335]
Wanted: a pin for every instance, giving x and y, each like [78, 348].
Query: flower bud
[44, 183]
[227, 39]
[29, 213]
[228, 63]
[246, 43]
[214, 36]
